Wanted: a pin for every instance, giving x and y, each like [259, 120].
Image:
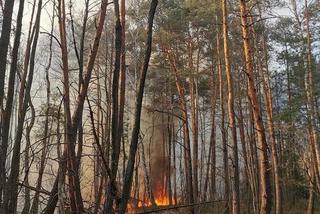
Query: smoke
[156, 145]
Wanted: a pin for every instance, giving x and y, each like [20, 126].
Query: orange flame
[160, 199]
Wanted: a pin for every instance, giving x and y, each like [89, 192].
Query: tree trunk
[76, 203]
[231, 113]
[4, 44]
[211, 163]
[194, 121]
[11, 191]
[264, 74]
[312, 188]
[46, 138]
[309, 87]
[223, 129]
[186, 132]
[6, 114]
[137, 116]
[265, 186]
[73, 122]
[147, 177]
[26, 206]
[115, 141]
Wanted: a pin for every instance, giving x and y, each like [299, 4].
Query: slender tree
[265, 186]
[136, 128]
[11, 191]
[4, 44]
[6, 114]
[231, 112]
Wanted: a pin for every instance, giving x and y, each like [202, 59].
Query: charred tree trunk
[115, 137]
[137, 116]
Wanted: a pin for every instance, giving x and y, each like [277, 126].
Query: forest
[160, 106]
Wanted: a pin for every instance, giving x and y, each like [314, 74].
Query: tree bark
[264, 73]
[4, 44]
[115, 141]
[6, 114]
[265, 186]
[223, 129]
[309, 88]
[46, 137]
[186, 132]
[11, 191]
[73, 122]
[137, 116]
[231, 112]
[194, 121]
[26, 205]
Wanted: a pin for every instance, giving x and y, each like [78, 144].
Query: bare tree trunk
[80, 58]
[264, 73]
[122, 69]
[254, 162]
[170, 164]
[73, 122]
[46, 138]
[186, 132]
[174, 159]
[211, 162]
[223, 129]
[194, 121]
[4, 45]
[231, 113]
[147, 177]
[137, 116]
[11, 191]
[265, 186]
[309, 87]
[115, 141]
[312, 188]
[76, 203]
[244, 152]
[27, 201]
[6, 114]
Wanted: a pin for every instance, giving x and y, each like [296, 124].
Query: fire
[160, 199]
